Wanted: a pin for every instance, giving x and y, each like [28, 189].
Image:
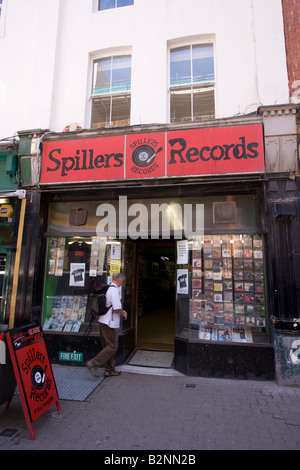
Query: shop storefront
[179, 212]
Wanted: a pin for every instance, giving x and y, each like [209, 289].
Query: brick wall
[291, 17]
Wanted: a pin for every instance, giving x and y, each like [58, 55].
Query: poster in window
[115, 251]
[182, 281]
[77, 274]
[182, 252]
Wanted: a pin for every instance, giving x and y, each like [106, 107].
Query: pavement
[157, 411]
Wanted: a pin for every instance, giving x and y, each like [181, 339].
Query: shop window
[4, 257]
[226, 295]
[111, 89]
[75, 267]
[7, 220]
[192, 83]
[108, 4]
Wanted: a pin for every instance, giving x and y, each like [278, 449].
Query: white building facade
[48, 51]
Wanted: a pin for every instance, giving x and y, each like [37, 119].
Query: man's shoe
[93, 370]
[112, 373]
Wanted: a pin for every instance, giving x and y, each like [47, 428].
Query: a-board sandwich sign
[33, 372]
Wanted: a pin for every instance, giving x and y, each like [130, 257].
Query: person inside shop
[108, 325]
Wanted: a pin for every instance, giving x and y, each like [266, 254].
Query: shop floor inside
[156, 330]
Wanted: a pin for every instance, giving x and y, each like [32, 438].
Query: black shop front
[179, 211]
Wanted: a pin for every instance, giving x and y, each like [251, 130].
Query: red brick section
[291, 18]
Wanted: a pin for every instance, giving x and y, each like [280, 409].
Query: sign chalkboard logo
[38, 376]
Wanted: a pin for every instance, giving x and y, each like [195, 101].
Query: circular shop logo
[144, 155]
[38, 377]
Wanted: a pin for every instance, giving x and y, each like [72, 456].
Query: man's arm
[121, 312]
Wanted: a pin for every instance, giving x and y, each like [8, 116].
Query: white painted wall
[47, 48]
[27, 58]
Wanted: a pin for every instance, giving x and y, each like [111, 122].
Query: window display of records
[228, 287]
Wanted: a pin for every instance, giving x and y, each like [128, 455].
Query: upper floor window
[3, 6]
[107, 4]
[192, 82]
[111, 88]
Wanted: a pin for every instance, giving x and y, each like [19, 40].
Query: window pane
[101, 112]
[121, 73]
[180, 66]
[106, 4]
[102, 76]
[121, 110]
[191, 105]
[181, 106]
[124, 3]
[203, 63]
[203, 103]
[111, 110]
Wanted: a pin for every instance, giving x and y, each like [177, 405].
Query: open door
[156, 294]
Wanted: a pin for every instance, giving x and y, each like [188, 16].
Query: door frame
[140, 244]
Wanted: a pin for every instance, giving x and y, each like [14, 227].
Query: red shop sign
[191, 152]
[219, 150]
[33, 372]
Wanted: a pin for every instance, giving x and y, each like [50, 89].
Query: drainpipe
[21, 194]
[255, 52]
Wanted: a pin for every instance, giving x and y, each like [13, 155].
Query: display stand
[33, 373]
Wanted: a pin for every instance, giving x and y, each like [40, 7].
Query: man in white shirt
[108, 324]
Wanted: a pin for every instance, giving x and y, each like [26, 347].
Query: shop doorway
[156, 294]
